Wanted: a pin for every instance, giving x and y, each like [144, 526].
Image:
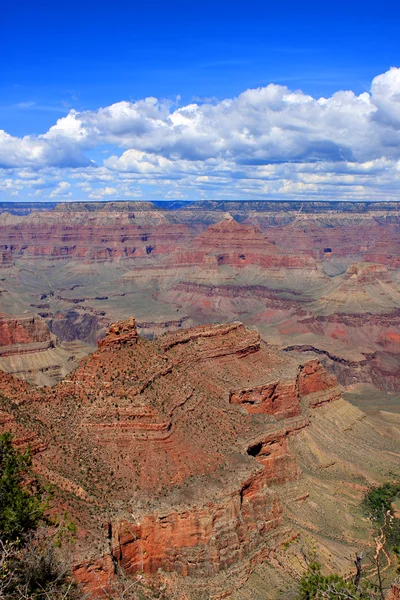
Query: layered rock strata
[23, 333]
[170, 451]
[281, 267]
[30, 351]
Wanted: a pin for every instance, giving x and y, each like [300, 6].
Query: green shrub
[378, 500]
[316, 586]
[379, 505]
[21, 506]
[30, 565]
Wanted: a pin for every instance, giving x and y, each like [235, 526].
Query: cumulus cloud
[103, 192]
[385, 95]
[39, 152]
[62, 190]
[266, 142]
[260, 126]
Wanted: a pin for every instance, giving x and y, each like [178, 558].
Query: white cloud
[63, 190]
[27, 104]
[385, 93]
[103, 192]
[39, 152]
[267, 142]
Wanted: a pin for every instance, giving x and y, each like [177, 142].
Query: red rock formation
[280, 466]
[96, 576]
[188, 433]
[280, 399]
[23, 333]
[108, 233]
[88, 235]
[120, 334]
[313, 379]
[374, 237]
[220, 534]
[237, 245]
[298, 252]
[157, 456]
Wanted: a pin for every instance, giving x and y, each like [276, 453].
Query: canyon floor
[241, 417]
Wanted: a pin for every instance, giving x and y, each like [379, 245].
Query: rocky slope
[186, 453]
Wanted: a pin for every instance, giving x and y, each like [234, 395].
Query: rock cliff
[184, 440]
[30, 351]
[22, 333]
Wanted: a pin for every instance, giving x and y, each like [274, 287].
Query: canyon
[209, 388]
[314, 276]
[202, 454]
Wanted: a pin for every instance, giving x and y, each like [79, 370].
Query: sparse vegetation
[379, 502]
[316, 586]
[379, 499]
[368, 582]
[21, 499]
[30, 567]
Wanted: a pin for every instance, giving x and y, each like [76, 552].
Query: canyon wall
[30, 351]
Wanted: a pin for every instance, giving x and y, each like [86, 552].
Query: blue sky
[86, 56]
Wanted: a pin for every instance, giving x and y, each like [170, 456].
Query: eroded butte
[201, 453]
